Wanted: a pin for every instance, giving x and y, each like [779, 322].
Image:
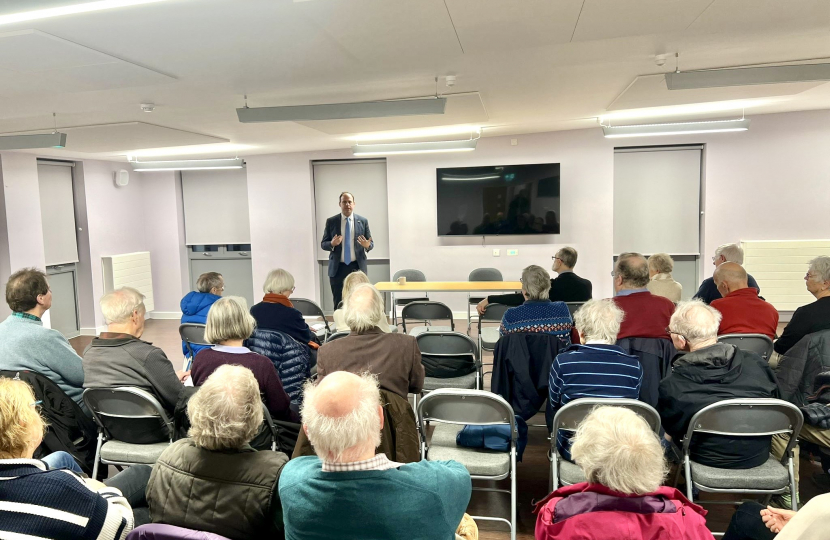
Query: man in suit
[567, 287]
[347, 239]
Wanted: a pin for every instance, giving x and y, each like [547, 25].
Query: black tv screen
[508, 199]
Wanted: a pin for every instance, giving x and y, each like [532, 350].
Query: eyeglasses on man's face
[671, 332]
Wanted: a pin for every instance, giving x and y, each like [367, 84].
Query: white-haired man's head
[363, 308]
[598, 321]
[728, 253]
[694, 325]
[342, 416]
[124, 311]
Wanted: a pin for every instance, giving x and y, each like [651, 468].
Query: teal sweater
[417, 501]
[26, 345]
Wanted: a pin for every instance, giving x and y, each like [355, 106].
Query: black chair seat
[405, 301]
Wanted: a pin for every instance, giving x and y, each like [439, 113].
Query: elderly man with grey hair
[118, 357]
[538, 314]
[710, 372]
[213, 480]
[353, 492]
[394, 358]
[646, 314]
[734, 253]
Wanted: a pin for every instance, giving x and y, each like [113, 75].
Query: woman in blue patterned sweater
[538, 313]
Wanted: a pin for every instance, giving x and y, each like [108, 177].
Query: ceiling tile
[608, 19]
[735, 16]
[29, 51]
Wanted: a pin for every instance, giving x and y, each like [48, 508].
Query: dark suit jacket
[568, 287]
[361, 227]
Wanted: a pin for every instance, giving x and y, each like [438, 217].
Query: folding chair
[411, 275]
[192, 334]
[747, 417]
[445, 348]
[568, 417]
[427, 311]
[310, 308]
[488, 336]
[757, 343]
[337, 335]
[573, 306]
[479, 274]
[133, 427]
[451, 409]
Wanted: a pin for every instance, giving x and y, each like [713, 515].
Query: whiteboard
[366, 180]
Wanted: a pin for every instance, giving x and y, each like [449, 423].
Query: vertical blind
[216, 207]
[57, 213]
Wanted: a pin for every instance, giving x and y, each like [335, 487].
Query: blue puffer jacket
[195, 306]
[292, 359]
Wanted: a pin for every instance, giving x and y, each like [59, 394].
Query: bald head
[338, 395]
[363, 308]
[696, 324]
[631, 272]
[730, 277]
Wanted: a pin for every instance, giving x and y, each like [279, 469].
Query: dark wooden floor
[533, 471]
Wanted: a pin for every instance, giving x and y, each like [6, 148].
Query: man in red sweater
[646, 315]
[744, 312]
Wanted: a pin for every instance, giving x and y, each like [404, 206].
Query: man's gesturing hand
[336, 240]
[364, 242]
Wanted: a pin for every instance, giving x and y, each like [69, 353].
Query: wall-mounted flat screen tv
[506, 199]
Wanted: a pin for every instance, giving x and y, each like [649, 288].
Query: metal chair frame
[473, 407]
[154, 410]
[492, 313]
[479, 274]
[775, 416]
[410, 274]
[472, 349]
[750, 342]
[310, 308]
[572, 414]
[337, 335]
[427, 305]
[187, 331]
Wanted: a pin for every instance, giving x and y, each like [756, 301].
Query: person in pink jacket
[623, 498]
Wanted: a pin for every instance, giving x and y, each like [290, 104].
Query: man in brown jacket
[394, 358]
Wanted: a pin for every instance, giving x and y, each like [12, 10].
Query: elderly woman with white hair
[228, 325]
[196, 304]
[660, 266]
[710, 372]
[213, 480]
[813, 317]
[276, 312]
[538, 313]
[596, 368]
[623, 461]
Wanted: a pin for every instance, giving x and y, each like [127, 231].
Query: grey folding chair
[450, 348]
[427, 311]
[192, 334]
[568, 417]
[411, 275]
[310, 308]
[488, 336]
[757, 343]
[479, 274]
[747, 417]
[573, 306]
[338, 335]
[133, 427]
[450, 410]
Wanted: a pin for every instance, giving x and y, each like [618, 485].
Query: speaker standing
[347, 239]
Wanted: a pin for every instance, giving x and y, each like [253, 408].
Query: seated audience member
[228, 325]
[394, 358]
[119, 358]
[597, 368]
[660, 266]
[646, 315]
[276, 312]
[623, 461]
[213, 480]
[195, 304]
[26, 345]
[755, 522]
[812, 317]
[708, 373]
[708, 291]
[37, 501]
[567, 287]
[352, 280]
[742, 310]
[352, 492]
[538, 314]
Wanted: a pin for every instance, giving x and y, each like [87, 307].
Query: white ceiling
[521, 65]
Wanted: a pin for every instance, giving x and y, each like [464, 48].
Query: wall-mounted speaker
[122, 178]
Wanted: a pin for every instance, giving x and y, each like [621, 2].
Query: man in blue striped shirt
[594, 369]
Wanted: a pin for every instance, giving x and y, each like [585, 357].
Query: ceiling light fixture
[677, 128]
[687, 110]
[715, 78]
[24, 142]
[188, 165]
[71, 10]
[418, 133]
[342, 111]
[186, 152]
[425, 147]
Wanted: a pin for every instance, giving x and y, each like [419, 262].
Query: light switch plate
[512, 252]
[496, 252]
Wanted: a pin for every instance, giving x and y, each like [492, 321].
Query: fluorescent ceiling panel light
[679, 128]
[426, 147]
[188, 165]
[71, 10]
[689, 109]
[714, 78]
[180, 151]
[341, 111]
[43, 140]
[421, 133]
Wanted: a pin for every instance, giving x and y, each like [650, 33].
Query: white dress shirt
[348, 243]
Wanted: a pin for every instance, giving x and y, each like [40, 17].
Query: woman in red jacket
[623, 498]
